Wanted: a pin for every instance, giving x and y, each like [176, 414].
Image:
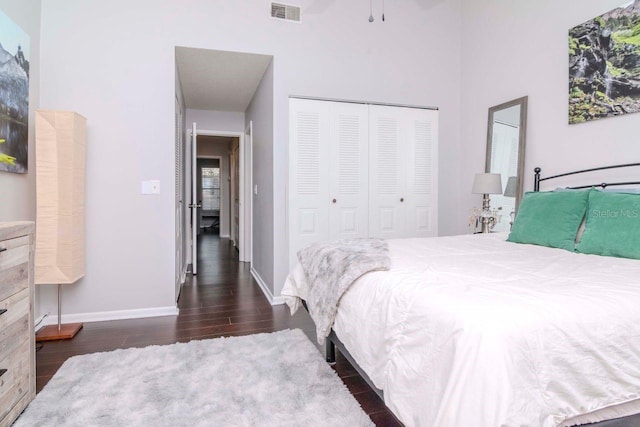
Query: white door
[403, 172]
[421, 179]
[387, 172]
[358, 171]
[195, 206]
[348, 171]
[309, 197]
[328, 180]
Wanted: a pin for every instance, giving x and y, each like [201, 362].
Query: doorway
[209, 191]
[219, 202]
[218, 88]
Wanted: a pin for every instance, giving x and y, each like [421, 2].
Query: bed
[477, 330]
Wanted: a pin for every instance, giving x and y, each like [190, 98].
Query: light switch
[255, 189]
[151, 187]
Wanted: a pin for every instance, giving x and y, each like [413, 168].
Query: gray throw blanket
[331, 268]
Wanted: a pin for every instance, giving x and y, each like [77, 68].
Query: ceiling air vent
[285, 11]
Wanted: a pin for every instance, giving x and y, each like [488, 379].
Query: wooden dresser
[17, 341]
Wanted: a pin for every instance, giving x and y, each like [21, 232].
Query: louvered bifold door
[386, 172]
[421, 153]
[403, 172]
[348, 165]
[309, 136]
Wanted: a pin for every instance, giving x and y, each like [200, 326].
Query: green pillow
[550, 218]
[613, 225]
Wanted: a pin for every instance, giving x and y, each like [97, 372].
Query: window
[210, 188]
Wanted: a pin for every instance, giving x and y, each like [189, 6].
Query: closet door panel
[360, 170]
[386, 172]
[420, 143]
[309, 174]
[348, 171]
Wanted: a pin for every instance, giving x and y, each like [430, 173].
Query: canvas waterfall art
[14, 96]
[604, 65]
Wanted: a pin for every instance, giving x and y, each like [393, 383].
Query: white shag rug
[274, 379]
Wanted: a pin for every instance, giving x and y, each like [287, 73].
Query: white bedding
[475, 331]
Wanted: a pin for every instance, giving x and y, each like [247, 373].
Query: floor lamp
[60, 206]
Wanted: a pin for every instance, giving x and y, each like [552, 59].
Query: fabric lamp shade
[512, 187]
[487, 183]
[60, 197]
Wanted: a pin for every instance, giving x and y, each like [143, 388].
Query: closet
[360, 170]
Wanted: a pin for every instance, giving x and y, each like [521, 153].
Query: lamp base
[52, 333]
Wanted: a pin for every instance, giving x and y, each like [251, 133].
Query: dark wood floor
[223, 300]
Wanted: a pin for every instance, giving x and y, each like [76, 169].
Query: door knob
[334, 200]
[401, 199]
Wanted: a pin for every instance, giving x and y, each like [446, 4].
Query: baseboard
[111, 315]
[265, 289]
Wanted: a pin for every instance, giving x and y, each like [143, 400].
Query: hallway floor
[222, 300]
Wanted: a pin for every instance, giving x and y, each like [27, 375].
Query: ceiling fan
[320, 6]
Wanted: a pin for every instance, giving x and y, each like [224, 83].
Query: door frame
[180, 249]
[245, 196]
[248, 219]
[234, 163]
[199, 181]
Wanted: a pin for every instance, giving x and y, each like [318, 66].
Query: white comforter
[475, 331]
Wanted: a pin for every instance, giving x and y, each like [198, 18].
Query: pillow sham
[608, 190]
[582, 223]
[613, 225]
[550, 218]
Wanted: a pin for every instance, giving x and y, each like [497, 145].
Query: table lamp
[485, 184]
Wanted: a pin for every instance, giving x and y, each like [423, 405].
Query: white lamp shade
[512, 187]
[60, 191]
[487, 183]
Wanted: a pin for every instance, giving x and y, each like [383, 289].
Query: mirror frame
[522, 102]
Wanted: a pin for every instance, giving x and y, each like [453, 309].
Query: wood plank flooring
[222, 300]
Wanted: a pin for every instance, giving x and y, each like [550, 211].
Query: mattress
[474, 330]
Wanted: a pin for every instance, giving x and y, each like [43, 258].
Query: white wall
[98, 61]
[260, 112]
[18, 191]
[518, 48]
[228, 121]
[114, 63]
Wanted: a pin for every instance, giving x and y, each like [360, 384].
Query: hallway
[223, 300]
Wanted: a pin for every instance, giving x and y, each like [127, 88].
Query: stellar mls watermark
[615, 213]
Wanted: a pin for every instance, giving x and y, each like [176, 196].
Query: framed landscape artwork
[604, 65]
[14, 96]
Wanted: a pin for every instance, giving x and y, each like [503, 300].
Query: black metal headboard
[537, 179]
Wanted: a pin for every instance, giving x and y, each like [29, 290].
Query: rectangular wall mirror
[506, 130]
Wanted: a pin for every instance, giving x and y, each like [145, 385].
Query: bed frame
[333, 341]
[538, 180]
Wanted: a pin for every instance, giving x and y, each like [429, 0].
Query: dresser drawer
[14, 322]
[14, 266]
[14, 351]
[16, 380]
